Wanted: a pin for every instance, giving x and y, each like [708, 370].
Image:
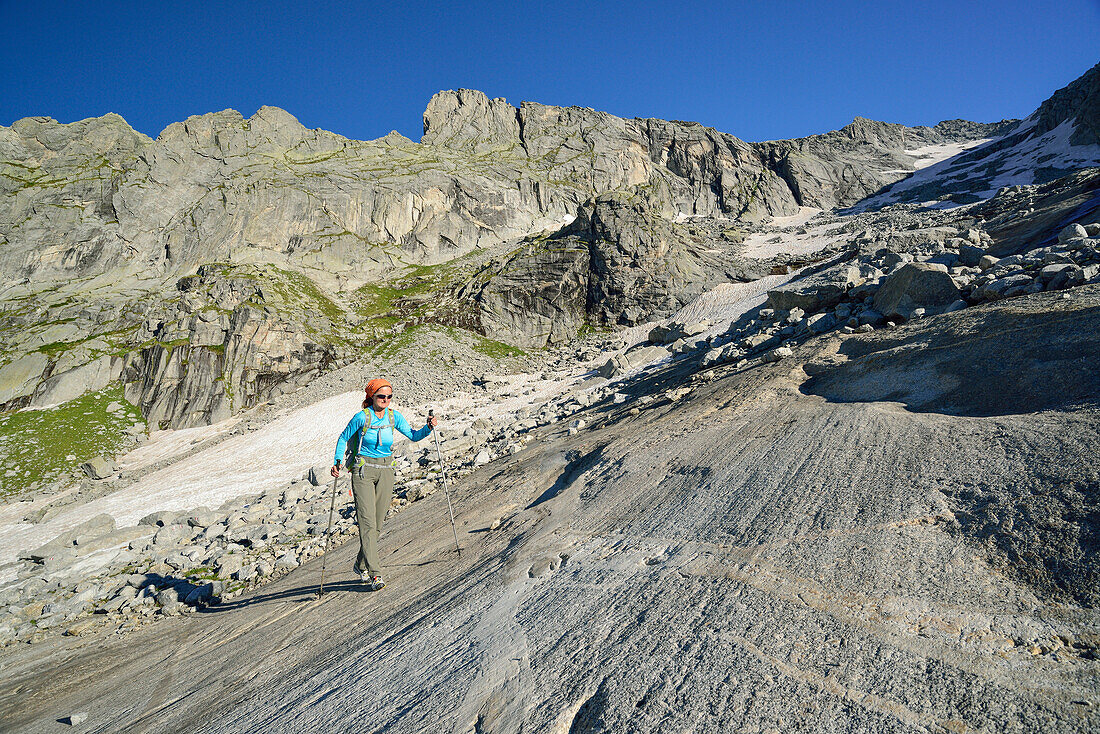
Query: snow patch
[928, 155]
[1016, 166]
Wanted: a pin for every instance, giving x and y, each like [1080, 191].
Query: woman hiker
[372, 472]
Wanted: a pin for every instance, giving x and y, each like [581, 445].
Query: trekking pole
[328, 538]
[446, 491]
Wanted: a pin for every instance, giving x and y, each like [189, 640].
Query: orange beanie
[377, 384]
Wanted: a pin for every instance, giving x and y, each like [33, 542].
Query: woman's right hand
[335, 472]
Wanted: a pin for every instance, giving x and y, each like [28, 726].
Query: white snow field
[1015, 166]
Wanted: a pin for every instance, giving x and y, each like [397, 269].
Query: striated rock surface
[760, 552]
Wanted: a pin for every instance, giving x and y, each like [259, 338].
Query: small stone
[82, 627]
[77, 719]
[482, 458]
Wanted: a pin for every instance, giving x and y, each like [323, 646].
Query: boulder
[160, 518]
[970, 255]
[630, 360]
[99, 467]
[778, 353]
[819, 323]
[1068, 278]
[63, 547]
[202, 518]
[1047, 273]
[662, 334]
[1072, 232]
[200, 595]
[891, 260]
[915, 285]
[818, 291]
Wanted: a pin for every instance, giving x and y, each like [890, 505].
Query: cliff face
[1078, 103]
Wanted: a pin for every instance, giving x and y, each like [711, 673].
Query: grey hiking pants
[372, 486]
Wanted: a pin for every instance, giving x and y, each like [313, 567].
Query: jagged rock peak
[468, 119]
[273, 117]
[393, 139]
[1079, 101]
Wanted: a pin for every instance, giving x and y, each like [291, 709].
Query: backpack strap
[378, 436]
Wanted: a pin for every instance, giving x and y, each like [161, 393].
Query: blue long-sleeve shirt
[377, 441]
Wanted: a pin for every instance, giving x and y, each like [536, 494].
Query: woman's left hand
[433, 421]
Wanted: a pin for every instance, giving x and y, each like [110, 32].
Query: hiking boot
[375, 583]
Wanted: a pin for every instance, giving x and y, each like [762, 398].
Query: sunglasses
[384, 397]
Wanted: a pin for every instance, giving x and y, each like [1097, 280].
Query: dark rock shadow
[1021, 356]
[577, 463]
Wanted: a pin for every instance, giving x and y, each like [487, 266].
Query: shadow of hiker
[300, 594]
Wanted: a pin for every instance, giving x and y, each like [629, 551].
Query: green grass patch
[495, 349]
[295, 288]
[35, 444]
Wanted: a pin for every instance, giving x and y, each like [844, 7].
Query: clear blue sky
[760, 70]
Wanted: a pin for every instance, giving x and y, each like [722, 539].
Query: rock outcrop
[843, 167]
[622, 262]
[1078, 102]
[236, 337]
